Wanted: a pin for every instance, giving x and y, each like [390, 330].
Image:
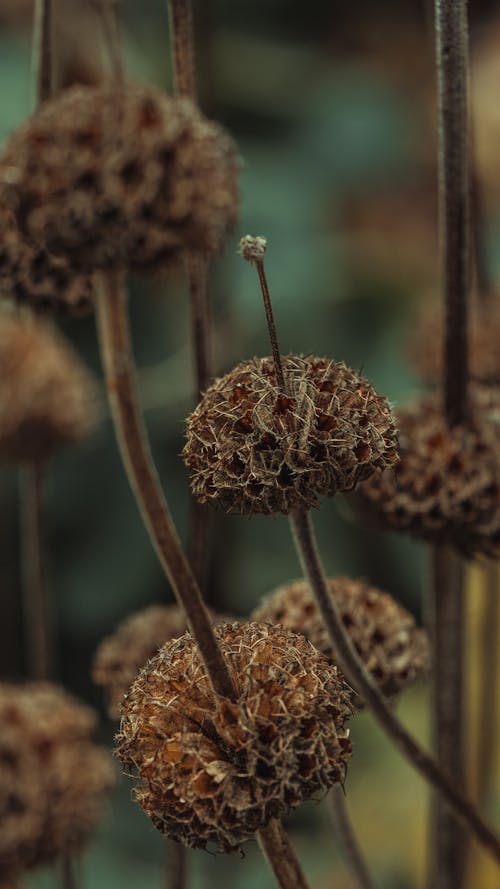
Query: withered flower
[394, 650]
[214, 771]
[111, 178]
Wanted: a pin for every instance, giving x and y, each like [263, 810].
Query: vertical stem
[110, 20]
[489, 693]
[180, 17]
[117, 359]
[176, 865]
[280, 855]
[347, 838]
[42, 49]
[271, 326]
[36, 605]
[361, 680]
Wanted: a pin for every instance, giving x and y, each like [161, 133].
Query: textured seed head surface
[446, 487]
[426, 344]
[120, 657]
[53, 779]
[394, 650]
[32, 277]
[253, 450]
[213, 771]
[112, 178]
[47, 396]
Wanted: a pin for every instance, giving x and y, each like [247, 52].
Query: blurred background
[333, 108]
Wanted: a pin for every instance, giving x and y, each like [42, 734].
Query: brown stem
[489, 691]
[110, 23]
[345, 832]
[448, 838]
[271, 326]
[42, 49]
[364, 684]
[451, 60]
[118, 364]
[176, 865]
[38, 633]
[182, 47]
[280, 855]
[69, 873]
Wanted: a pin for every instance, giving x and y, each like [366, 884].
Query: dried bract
[53, 778]
[394, 650]
[47, 396]
[446, 489]
[115, 178]
[213, 771]
[252, 449]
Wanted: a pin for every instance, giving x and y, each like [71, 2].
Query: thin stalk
[364, 684]
[448, 839]
[280, 855]
[180, 17]
[348, 839]
[69, 873]
[42, 49]
[489, 691]
[118, 364]
[37, 631]
[271, 326]
[176, 865]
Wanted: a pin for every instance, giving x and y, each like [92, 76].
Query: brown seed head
[252, 248]
[394, 650]
[120, 178]
[215, 772]
[30, 276]
[47, 396]
[446, 488]
[120, 657]
[53, 778]
[253, 450]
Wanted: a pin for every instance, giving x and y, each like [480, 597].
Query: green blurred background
[332, 105]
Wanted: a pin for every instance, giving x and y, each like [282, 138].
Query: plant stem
[118, 364]
[489, 692]
[280, 855]
[364, 684]
[38, 634]
[347, 838]
[182, 47]
[448, 839]
[271, 326]
[42, 50]
[176, 865]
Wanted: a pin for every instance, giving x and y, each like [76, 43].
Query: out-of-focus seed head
[32, 277]
[120, 657]
[446, 488]
[426, 343]
[53, 779]
[47, 396]
[252, 449]
[114, 178]
[253, 248]
[212, 771]
[394, 650]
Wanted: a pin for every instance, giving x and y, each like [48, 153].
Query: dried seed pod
[253, 450]
[30, 276]
[446, 488]
[120, 656]
[53, 778]
[426, 343]
[47, 396]
[213, 771]
[115, 178]
[394, 650]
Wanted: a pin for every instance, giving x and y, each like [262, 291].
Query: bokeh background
[332, 105]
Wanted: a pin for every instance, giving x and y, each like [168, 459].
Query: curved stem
[42, 50]
[38, 634]
[279, 853]
[116, 354]
[364, 684]
[348, 839]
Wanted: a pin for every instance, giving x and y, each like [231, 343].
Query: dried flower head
[112, 178]
[426, 344]
[253, 248]
[53, 778]
[253, 450]
[31, 276]
[394, 650]
[446, 487]
[47, 396]
[120, 657]
[213, 771]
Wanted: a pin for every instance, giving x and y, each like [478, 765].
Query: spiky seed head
[253, 450]
[394, 650]
[213, 771]
[112, 178]
[47, 396]
[53, 779]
